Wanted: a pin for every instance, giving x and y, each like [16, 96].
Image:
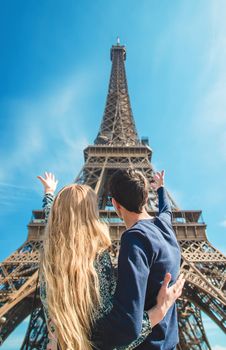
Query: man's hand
[168, 295]
[166, 298]
[49, 182]
[158, 180]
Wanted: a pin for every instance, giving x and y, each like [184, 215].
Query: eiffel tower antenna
[118, 145]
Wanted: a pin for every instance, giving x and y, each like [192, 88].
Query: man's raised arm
[165, 211]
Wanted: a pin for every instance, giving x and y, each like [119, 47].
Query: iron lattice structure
[118, 146]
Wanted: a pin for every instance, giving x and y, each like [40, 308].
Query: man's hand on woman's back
[166, 298]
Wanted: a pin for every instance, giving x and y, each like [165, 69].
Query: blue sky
[54, 73]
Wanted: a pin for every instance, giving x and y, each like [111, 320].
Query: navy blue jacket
[148, 250]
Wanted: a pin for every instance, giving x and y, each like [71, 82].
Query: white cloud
[209, 119]
[219, 347]
[12, 195]
[8, 185]
[223, 223]
[47, 133]
[206, 37]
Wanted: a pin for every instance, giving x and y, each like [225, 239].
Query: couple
[86, 306]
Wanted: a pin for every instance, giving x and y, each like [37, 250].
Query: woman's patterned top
[107, 281]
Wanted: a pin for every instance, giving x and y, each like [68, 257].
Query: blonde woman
[77, 281]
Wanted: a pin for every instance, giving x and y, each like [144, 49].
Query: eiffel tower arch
[118, 145]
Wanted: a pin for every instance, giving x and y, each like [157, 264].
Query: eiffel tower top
[118, 126]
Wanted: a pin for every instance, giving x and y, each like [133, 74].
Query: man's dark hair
[129, 188]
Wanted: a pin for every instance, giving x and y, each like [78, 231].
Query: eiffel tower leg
[18, 276]
[191, 330]
[37, 335]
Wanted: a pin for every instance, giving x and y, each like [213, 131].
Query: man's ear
[116, 204]
[117, 207]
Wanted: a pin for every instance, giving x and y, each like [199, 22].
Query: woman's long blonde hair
[73, 239]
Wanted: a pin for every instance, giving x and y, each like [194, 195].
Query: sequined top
[107, 282]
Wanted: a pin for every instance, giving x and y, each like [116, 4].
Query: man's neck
[130, 218]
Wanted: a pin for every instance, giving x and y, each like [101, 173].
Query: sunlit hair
[74, 238]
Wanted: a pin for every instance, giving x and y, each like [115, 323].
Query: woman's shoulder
[107, 281]
[105, 269]
[103, 260]
[104, 255]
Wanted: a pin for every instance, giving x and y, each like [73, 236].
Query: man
[149, 250]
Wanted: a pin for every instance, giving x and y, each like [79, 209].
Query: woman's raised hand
[158, 180]
[49, 182]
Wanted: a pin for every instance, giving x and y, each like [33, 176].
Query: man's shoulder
[142, 227]
[136, 241]
[138, 232]
[135, 231]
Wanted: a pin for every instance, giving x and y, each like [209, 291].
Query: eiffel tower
[117, 145]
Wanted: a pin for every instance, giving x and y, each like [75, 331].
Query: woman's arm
[108, 280]
[49, 184]
[47, 204]
[165, 299]
[145, 331]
